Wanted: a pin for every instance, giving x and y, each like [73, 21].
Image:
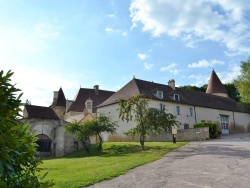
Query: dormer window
[89, 104]
[159, 94]
[176, 97]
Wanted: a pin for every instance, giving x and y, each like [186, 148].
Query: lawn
[82, 169]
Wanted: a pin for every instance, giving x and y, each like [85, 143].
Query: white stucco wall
[238, 122]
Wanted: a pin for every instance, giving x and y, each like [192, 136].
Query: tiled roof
[61, 100]
[40, 112]
[84, 94]
[215, 85]
[190, 97]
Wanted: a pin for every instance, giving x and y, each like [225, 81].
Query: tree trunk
[85, 146]
[142, 141]
[100, 143]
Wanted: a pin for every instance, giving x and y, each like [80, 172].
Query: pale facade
[189, 107]
[47, 122]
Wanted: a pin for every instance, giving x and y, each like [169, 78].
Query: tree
[242, 83]
[81, 131]
[84, 130]
[230, 87]
[103, 124]
[18, 164]
[147, 119]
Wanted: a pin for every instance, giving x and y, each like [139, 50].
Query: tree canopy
[147, 119]
[230, 87]
[84, 130]
[18, 164]
[243, 83]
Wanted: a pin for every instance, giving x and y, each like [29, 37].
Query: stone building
[190, 107]
[48, 122]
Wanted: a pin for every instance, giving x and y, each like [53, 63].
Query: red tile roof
[190, 97]
[40, 112]
[84, 94]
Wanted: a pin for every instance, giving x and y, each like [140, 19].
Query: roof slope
[84, 94]
[40, 112]
[190, 97]
[215, 85]
[61, 100]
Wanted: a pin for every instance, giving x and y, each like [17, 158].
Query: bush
[18, 165]
[213, 131]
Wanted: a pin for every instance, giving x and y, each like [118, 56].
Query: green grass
[80, 169]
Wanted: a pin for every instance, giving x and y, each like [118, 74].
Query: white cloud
[124, 34]
[225, 22]
[230, 74]
[110, 15]
[118, 31]
[199, 79]
[170, 68]
[148, 66]
[205, 63]
[111, 30]
[142, 56]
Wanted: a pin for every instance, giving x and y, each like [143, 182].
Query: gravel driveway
[223, 162]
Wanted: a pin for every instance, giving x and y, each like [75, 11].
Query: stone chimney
[96, 88]
[55, 97]
[171, 83]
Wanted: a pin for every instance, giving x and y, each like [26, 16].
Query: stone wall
[195, 134]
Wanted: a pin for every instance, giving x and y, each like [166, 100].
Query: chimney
[55, 97]
[96, 88]
[171, 83]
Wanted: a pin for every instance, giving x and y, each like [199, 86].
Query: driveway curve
[219, 163]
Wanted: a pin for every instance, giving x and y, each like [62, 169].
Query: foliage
[18, 165]
[117, 158]
[232, 91]
[147, 119]
[243, 83]
[195, 88]
[81, 132]
[84, 130]
[213, 130]
[230, 87]
[103, 124]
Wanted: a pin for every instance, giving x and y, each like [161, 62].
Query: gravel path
[223, 162]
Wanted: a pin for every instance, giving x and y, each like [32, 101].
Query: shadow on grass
[115, 150]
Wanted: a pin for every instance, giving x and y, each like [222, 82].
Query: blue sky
[71, 44]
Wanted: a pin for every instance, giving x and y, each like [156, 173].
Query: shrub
[213, 131]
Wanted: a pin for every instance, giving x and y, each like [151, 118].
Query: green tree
[147, 119]
[232, 91]
[242, 83]
[81, 132]
[18, 164]
[84, 130]
[230, 87]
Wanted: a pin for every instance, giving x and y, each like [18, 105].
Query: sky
[50, 44]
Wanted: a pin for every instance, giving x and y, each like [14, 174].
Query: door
[224, 122]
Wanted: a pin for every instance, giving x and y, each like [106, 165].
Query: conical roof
[215, 85]
[61, 100]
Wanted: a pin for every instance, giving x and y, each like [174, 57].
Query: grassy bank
[81, 169]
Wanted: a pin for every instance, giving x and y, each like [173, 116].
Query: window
[176, 97]
[190, 111]
[186, 126]
[161, 106]
[159, 94]
[89, 104]
[178, 110]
